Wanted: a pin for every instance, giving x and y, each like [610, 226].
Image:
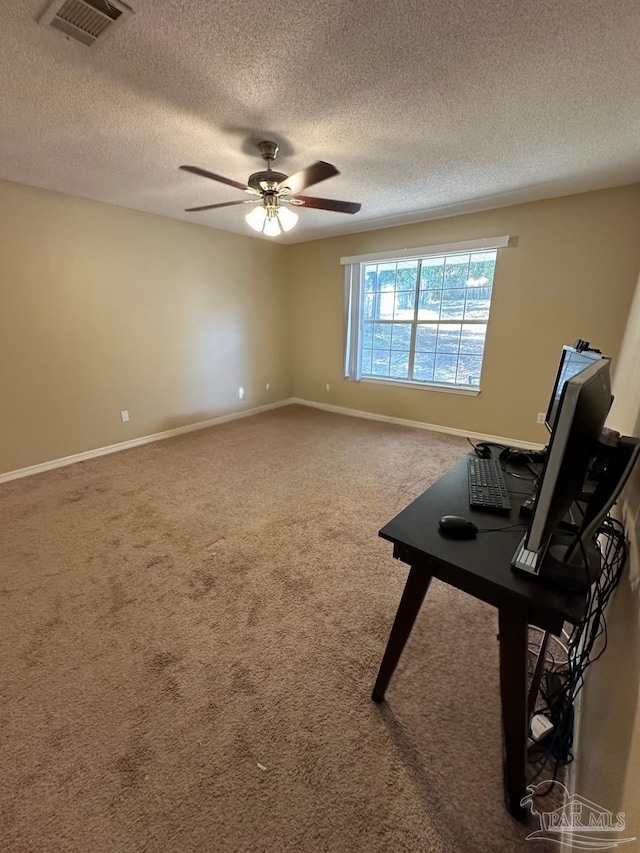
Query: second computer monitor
[572, 362]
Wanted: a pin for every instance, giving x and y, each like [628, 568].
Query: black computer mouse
[456, 527]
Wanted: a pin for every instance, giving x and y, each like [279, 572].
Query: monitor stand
[570, 560]
[569, 565]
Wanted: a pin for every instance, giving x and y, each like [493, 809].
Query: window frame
[354, 310]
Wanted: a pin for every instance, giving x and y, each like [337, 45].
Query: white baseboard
[246, 413]
[357, 413]
[572, 770]
[136, 442]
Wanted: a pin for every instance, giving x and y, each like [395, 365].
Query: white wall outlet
[124, 414]
[540, 418]
[241, 393]
[267, 386]
[328, 388]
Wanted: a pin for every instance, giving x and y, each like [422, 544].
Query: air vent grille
[85, 21]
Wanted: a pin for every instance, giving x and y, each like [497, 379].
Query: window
[421, 319]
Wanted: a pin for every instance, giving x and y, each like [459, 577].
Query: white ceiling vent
[85, 21]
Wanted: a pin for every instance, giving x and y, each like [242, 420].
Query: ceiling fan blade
[196, 170]
[320, 171]
[213, 206]
[328, 204]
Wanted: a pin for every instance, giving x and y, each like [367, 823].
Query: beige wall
[608, 749]
[571, 274]
[103, 309]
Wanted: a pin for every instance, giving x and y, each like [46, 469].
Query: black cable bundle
[560, 689]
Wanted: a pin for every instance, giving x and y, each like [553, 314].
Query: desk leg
[414, 592]
[513, 625]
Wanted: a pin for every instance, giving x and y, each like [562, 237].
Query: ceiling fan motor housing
[268, 176]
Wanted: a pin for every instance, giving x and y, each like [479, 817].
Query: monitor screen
[572, 362]
[584, 403]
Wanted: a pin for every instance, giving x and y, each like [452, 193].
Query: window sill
[428, 386]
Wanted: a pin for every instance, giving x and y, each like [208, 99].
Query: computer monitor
[583, 406]
[572, 362]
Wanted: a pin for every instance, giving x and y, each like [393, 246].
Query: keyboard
[487, 488]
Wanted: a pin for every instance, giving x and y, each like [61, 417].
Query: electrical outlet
[328, 388]
[267, 386]
[124, 414]
[541, 417]
[241, 393]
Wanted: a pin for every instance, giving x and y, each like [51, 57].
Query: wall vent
[86, 21]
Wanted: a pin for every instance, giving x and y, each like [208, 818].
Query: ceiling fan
[275, 190]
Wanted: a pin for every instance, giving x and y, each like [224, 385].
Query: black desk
[481, 567]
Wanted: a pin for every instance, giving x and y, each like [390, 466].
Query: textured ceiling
[426, 107]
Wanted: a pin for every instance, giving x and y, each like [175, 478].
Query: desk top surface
[481, 566]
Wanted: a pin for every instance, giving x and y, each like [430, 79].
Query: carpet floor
[189, 634]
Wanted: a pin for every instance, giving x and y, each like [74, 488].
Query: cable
[586, 643]
[519, 476]
[483, 448]
[562, 663]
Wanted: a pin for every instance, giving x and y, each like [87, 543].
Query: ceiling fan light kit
[274, 190]
[257, 218]
[272, 220]
[287, 218]
[271, 227]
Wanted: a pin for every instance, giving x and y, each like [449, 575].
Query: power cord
[500, 529]
[585, 645]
